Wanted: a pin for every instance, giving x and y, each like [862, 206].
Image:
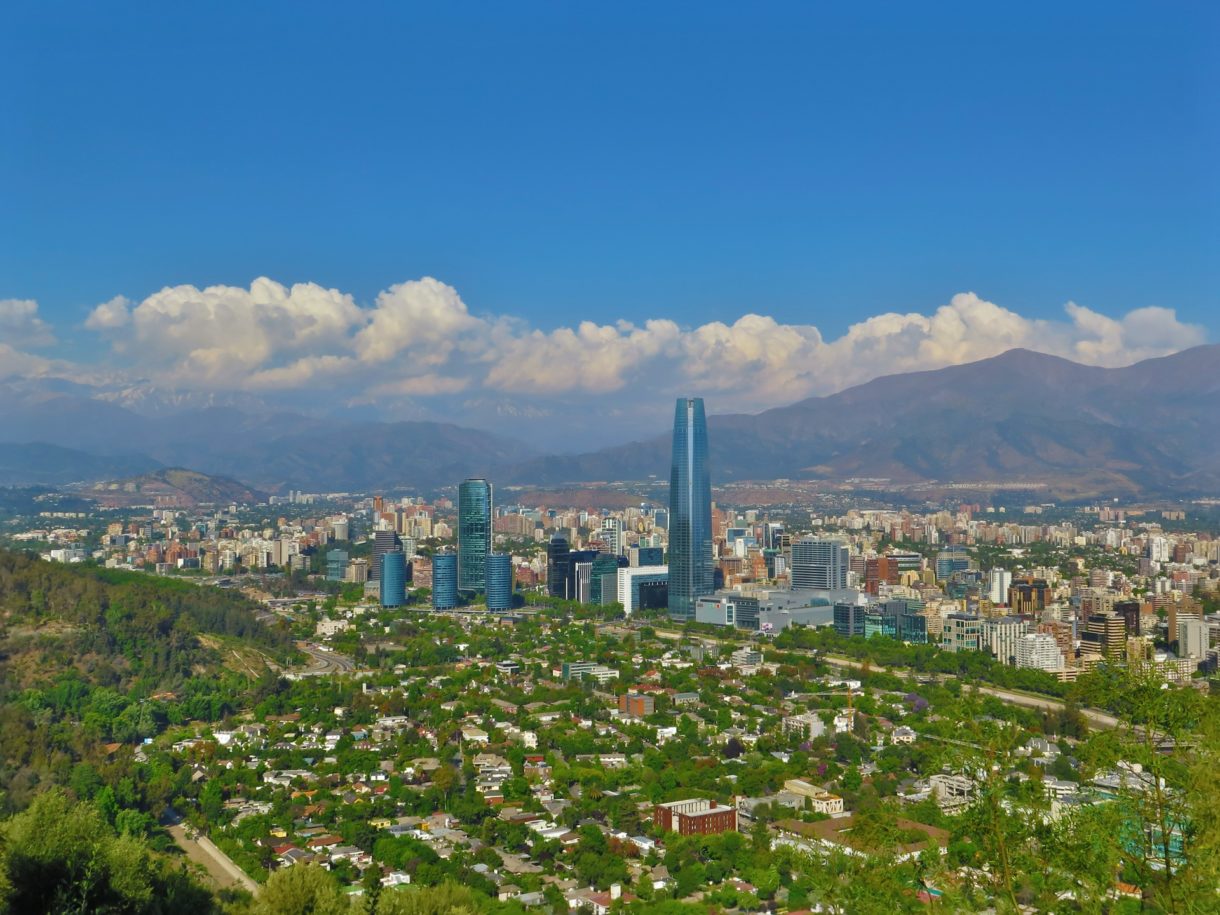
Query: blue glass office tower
[474, 534]
[336, 565]
[444, 581]
[393, 579]
[690, 511]
[499, 581]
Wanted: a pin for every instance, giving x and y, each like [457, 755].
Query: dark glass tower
[558, 567]
[690, 511]
[383, 542]
[474, 534]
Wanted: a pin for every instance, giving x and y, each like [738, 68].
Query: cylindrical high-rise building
[393, 579]
[499, 581]
[444, 581]
[474, 533]
[691, 570]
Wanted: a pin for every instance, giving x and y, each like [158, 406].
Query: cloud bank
[419, 338]
[418, 349]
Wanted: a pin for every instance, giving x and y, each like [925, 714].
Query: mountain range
[1152, 427]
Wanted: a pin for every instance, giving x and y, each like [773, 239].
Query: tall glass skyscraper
[474, 534]
[558, 566]
[691, 572]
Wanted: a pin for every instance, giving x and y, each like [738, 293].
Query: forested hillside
[92, 658]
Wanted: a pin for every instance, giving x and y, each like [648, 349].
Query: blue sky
[814, 163]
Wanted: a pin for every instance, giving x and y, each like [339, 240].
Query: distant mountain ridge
[172, 486]
[1151, 427]
[40, 464]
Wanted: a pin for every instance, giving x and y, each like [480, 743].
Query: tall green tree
[61, 856]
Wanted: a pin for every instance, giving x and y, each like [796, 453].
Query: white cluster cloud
[226, 337]
[110, 315]
[20, 324]
[420, 340]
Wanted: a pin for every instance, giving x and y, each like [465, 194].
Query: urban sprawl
[782, 707]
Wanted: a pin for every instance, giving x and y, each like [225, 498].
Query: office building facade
[1040, 651]
[1194, 638]
[646, 556]
[1130, 611]
[499, 575]
[384, 541]
[474, 533]
[1105, 634]
[558, 567]
[603, 578]
[998, 583]
[643, 588]
[393, 579]
[951, 559]
[961, 632]
[695, 817]
[1000, 636]
[445, 581]
[1029, 596]
[691, 569]
[336, 565]
[819, 565]
[849, 619]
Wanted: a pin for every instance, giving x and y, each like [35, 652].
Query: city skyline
[339, 567]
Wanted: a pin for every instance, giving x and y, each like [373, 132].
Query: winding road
[1095, 717]
[323, 663]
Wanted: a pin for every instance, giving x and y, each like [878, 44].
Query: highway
[322, 663]
[1095, 717]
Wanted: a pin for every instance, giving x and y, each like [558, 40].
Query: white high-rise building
[1158, 549]
[1039, 650]
[1193, 638]
[998, 583]
[612, 534]
[819, 565]
[1000, 637]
